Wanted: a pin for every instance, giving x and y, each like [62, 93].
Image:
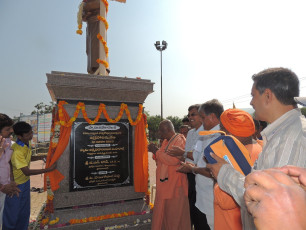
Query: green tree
[176, 121]
[42, 108]
[303, 111]
[153, 123]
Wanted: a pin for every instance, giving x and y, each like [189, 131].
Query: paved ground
[37, 181]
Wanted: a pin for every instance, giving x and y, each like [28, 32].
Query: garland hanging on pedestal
[102, 109]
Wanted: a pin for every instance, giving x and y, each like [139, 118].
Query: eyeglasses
[192, 115]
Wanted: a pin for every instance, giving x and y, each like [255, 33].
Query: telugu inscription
[100, 155]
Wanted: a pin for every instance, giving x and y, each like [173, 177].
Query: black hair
[184, 126]
[5, 121]
[263, 124]
[21, 128]
[281, 81]
[185, 119]
[257, 124]
[213, 106]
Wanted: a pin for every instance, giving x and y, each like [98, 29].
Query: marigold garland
[52, 222]
[103, 62]
[122, 108]
[79, 18]
[80, 32]
[105, 4]
[101, 39]
[102, 109]
[80, 12]
[103, 217]
[49, 209]
[102, 19]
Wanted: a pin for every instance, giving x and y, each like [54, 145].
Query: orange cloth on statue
[238, 122]
[55, 176]
[171, 207]
[227, 211]
[141, 173]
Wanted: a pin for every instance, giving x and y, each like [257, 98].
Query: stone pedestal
[93, 90]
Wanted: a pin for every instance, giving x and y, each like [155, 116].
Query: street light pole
[161, 84]
[161, 48]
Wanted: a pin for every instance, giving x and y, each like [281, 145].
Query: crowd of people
[271, 195]
[194, 190]
[15, 172]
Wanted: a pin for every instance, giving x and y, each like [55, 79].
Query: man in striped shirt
[284, 139]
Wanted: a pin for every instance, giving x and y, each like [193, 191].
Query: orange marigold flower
[45, 221]
[102, 19]
[103, 62]
[106, 5]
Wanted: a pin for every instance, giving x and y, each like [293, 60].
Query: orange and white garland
[101, 39]
[102, 109]
[103, 217]
[79, 18]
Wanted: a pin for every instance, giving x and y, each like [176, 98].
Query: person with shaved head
[171, 207]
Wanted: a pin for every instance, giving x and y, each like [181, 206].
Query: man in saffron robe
[171, 207]
[239, 124]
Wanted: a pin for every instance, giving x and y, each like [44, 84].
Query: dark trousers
[192, 196]
[200, 221]
[16, 213]
[197, 218]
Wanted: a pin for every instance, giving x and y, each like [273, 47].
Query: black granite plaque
[100, 155]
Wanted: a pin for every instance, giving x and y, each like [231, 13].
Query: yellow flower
[45, 221]
[54, 221]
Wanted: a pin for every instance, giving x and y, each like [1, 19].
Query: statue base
[101, 207]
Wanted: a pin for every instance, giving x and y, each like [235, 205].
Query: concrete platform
[38, 199]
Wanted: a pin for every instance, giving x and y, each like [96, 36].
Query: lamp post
[161, 48]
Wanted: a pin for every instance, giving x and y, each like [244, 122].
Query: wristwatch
[186, 153]
[193, 170]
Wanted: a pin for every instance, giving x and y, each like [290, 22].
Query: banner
[41, 129]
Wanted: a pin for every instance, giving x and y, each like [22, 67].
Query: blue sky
[214, 47]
